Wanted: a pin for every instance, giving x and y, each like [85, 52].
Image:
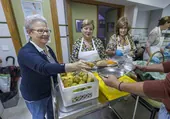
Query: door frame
[90, 2]
[12, 25]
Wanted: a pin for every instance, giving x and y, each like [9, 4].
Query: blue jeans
[163, 113]
[41, 107]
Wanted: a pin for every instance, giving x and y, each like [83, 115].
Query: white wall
[142, 23]
[63, 30]
[166, 11]
[131, 13]
[6, 44]
[156, 3]
[143, 19]
[154, 18]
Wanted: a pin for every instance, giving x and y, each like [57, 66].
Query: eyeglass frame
[49, 31]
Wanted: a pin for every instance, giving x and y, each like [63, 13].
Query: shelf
[166, 32]
[139, 28]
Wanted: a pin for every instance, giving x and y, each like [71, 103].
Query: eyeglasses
[41, 31]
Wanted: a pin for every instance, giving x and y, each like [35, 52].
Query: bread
[101, 63]
[90, 64]
[105, 63]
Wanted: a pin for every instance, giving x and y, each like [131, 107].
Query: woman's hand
[131, 53]
[111, 81]
[110, 52]
[81, 65]
[76, 66]
[156, 59]
[119, 53]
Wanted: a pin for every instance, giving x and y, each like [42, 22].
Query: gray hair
[30, 20]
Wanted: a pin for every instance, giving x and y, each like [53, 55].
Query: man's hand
[142, 68]
[111, 81]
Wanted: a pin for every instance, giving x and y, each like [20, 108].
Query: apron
[154, 49]
[125, 49]
[89, 56]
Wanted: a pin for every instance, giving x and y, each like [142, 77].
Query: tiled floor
[123, 107]
[18, 112]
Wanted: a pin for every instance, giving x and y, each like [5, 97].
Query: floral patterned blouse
[98, 44]
[115, 41]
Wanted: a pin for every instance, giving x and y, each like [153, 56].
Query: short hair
[123, 21]
[164, 20]
[30, 20]
[87, 22]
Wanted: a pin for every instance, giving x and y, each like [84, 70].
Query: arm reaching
[151, 68]
[135, 88]
[153, 89]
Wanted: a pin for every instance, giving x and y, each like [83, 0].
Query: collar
[38, 48]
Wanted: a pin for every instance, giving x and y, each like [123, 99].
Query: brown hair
[123, 21]
[87, 22]
[164, 20]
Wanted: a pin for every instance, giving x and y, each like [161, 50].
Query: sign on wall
[31, 8]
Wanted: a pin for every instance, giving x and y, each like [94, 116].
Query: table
[81, 109]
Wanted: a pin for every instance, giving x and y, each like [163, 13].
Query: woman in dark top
[38, 63]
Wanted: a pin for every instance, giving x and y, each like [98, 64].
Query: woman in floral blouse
[121, 43]
[87, 47]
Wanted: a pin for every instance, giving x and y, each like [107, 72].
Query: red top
[160, 89]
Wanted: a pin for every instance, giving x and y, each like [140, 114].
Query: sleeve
[159, 89]
[112, 43]
[35, 62]
[101, 49]
[151, 38]
[166, 66]
[75, 51]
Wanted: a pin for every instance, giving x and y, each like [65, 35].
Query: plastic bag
[112, 93]
[148, 75]
[5, 83]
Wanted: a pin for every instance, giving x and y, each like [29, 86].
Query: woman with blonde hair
[88, 47]
[121, 43]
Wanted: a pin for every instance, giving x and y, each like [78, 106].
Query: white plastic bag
[5, 83]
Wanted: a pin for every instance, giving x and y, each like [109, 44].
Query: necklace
[88, 44]
[123, 41]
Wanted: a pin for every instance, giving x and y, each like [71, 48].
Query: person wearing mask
[155, 40]
[155, 89]
[121, 43]
[38, 63]
[87, 47]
